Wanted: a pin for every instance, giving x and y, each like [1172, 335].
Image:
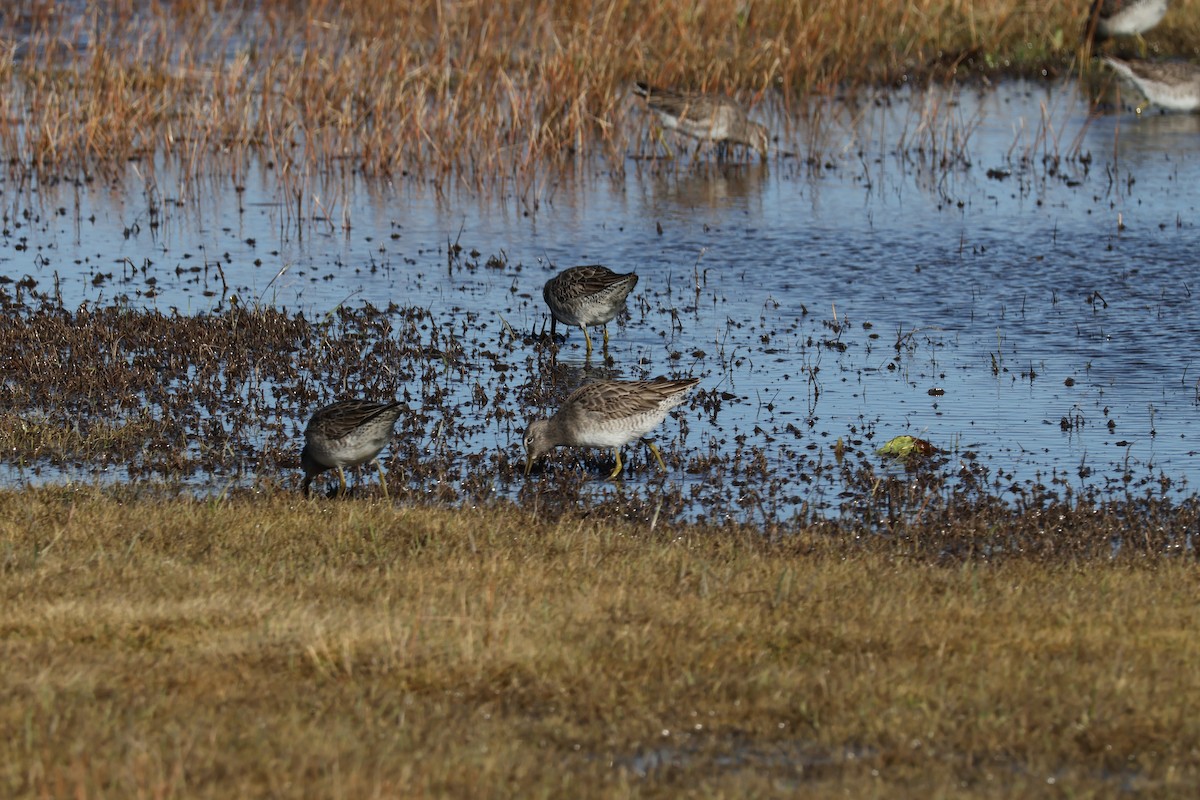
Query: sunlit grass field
[266, 646]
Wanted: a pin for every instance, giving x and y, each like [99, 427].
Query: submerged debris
[217, 402]
[908, 448]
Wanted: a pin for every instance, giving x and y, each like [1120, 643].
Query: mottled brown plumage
[706, 117]
[607, 414]
[345, 434]
[587, 295]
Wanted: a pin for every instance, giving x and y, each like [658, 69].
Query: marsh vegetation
[783, 609]
[471, 92]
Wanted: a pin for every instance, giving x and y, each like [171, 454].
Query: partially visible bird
[1174, 85]
[346, 434]
[1109, 18]
[707, 117]
[607, 414]
[587, 295]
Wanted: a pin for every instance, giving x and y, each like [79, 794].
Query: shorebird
[1173, 85]
[345, 434]
[607, 414]
[587, 295]
[1109, 18]
[706, 117]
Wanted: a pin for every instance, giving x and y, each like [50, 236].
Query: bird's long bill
[528, 466]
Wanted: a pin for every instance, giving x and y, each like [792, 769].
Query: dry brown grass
[474, 92]
[268, 646]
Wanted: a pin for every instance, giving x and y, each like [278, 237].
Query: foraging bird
[1174, 85]
[1109, 18]
[607, 414]
[345, 434]
[705, 117]
[587, 295]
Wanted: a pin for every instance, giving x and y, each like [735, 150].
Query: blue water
[1004, 273]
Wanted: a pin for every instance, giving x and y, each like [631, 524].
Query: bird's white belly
[668, 121]
[617, 433]
[706, 129]
[1134, 19]
[348, 454]
[1171, 97]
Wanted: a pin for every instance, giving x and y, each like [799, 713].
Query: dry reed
[468, 93]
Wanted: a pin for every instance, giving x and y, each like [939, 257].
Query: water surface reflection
[1002, 273]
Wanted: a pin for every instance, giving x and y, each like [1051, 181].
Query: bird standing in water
[706, 117]
[1173, 85]
[608, 414]
[346, 434]
[587, 295]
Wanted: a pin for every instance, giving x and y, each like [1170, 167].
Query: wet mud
[216, 403]
[944, 265]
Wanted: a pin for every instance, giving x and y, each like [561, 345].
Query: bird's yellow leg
[382, 479]
[605, 329]
[341, 482]
[663, 141]
[587, 339]
[657, 455]
[612, 476]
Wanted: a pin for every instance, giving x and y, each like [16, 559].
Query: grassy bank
[173, 648]
[475, 89]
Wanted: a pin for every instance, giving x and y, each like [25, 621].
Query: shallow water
[997, 272]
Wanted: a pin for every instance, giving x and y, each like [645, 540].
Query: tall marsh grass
[469, 92]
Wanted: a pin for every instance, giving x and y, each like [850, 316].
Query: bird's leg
[605, 329]
[587, 339]
[612, 476]
[342, 482]
[663, 141]
[553, 328]
[654, 449]
[382, 480]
